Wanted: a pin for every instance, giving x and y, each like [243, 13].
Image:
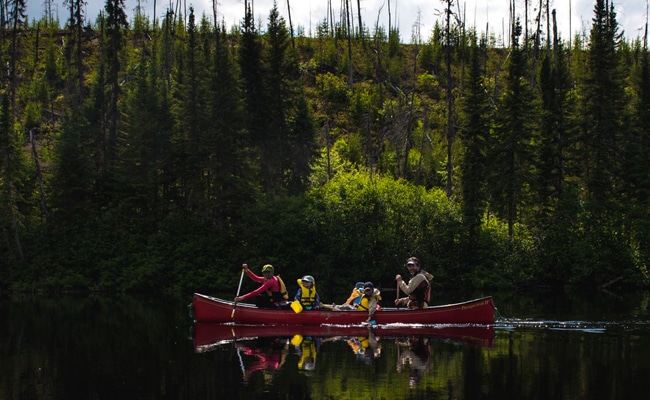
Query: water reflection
[413, 353]
[128, 347]
[206, 335]
[366, 348]
[277, 353]
[270, 355]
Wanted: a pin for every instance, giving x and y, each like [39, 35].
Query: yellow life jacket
[308, 354]
[275, 297]
[364, 304]
[307, 295]
[355, 297]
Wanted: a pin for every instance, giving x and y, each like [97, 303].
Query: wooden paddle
[397, 294]
[241, 278]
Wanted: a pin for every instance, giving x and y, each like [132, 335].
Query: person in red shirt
[271, 294]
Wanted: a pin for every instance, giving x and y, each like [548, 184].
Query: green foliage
[374, 223]
[167, 155]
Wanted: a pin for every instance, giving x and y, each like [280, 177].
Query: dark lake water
[544, 346]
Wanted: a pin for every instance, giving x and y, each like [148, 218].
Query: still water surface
[128, 347]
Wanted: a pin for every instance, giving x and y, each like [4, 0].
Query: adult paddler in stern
[418, 289]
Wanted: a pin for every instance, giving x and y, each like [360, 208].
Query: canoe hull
[212, 309]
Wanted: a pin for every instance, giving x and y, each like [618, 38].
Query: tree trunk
[349, 29]
[450, 105]
[293, 42]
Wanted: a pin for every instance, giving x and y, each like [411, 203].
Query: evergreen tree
[638, 144]
[256, 105]
[74, 53]
[601, 145]
[552, 147]
[603, 112]
[190, 116]
[290, 132]
[139, 159]
[17, 19]
[475, 135]
[230, 184]
[511, 153]
[116, 23]
[73, 176]
[13, 182]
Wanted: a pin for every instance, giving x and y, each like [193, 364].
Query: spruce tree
[603, 112]
[475, 133]
[262, 140]
[511, 153]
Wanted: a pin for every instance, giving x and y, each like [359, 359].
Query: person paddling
[418, 290]
[271, 294]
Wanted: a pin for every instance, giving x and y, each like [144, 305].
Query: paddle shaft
[241, 278]
[397, 295]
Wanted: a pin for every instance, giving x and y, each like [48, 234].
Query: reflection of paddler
[308, 349]
[355, 345]
[365, 346]
[416, 356]
[269, 359]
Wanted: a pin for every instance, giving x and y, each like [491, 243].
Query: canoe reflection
[264, 348]
[207, 335]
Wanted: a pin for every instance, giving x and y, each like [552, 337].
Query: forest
[159, 155]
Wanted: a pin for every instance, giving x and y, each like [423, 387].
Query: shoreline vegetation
[160, 158]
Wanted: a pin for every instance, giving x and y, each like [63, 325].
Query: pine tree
[475, 135]
[602, 112]
[290, 130]
[601, 142]
[13, 183]
[637, 169]
[230, 183]
[74, 53]
[511, 153]
[116, 23]
[552, 147]
[256, 105]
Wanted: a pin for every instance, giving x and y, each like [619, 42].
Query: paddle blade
[296, 306]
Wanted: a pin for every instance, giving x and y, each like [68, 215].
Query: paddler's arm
[267, 285]
[372, 308]
[252, 275]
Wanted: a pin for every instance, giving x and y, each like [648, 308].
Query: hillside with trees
[158, 155]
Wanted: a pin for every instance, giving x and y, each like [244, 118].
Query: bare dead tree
[645, 34]
[359, 17]
[536, 45]
[526, 35]
[349, 32]
[293, 43]
[548, 22]
[555, 38]
[450, 102]
[215, 14]
[389, 18]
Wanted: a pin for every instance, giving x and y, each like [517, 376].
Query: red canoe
[207, 336]
[212, 309]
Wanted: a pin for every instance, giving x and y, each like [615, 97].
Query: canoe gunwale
[213, 309]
